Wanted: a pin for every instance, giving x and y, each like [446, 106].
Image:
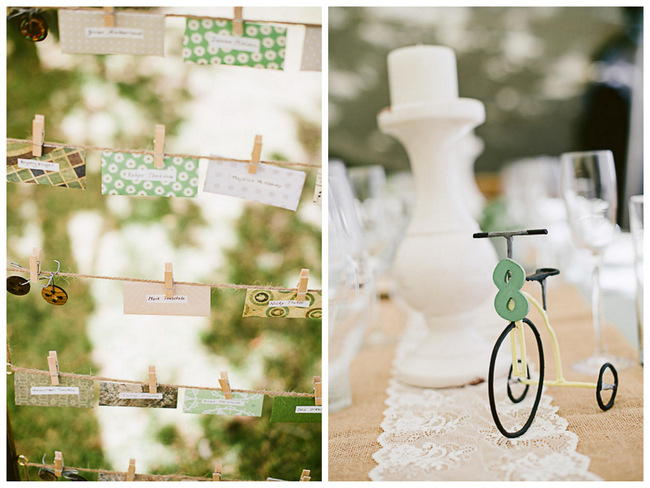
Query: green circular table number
[510, 303]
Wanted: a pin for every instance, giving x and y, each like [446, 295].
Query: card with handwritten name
[271, 185]
[149, 299]
[208, 41]
[295, 409]
[57, 166]
[37, 390]
[282, 304]
[134, 395]
[214, 402]
[85, 32]
[135, 175]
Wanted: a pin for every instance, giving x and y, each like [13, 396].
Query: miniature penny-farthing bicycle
[512, 304]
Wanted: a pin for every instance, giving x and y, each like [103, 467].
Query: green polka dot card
[135, 175]
[208, 41]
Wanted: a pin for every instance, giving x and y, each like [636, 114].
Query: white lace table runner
[449, 434]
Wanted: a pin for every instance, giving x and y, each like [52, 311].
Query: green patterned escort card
[208, 41]
[282, 304]
[214, 402]
[36, 389]
[134, 395]
[295, 409]
[135, 175]
[60, 166]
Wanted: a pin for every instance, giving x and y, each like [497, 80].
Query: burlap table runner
[613, 439]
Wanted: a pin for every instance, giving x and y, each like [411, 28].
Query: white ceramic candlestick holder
[441, 271]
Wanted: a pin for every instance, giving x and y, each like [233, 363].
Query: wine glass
[588, 181]
[350, 286]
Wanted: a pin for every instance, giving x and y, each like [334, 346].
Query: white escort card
[84, 32]
[54, 390]
[271, 185]
[149, 299]
[35, 164]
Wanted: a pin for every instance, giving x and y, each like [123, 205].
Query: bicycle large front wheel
[514, 416]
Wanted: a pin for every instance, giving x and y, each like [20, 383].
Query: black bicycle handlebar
[529, 232]
[509, 235]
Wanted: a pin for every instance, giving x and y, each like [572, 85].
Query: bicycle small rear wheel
[538, 395]
[522, 395]
[601, 386]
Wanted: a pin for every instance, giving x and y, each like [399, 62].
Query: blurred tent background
[553, 80]
[115, 101]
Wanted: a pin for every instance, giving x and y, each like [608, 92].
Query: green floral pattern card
[208, 41]
[58, 166]
[135, 175]
[295, 409]
[36, 389]
[282, 304]
[214, 402]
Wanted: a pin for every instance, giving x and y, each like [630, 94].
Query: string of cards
[52, 389]
[154, 175]
[206, 41]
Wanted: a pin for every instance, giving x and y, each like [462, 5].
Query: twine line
[134, 382]
[190, 16]
[141, 151]
[141, 280]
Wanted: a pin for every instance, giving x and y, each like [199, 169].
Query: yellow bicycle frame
[519, 369]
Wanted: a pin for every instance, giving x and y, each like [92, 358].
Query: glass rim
[586, 153]
[636, 198]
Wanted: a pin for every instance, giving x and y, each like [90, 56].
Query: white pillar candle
[421, 74]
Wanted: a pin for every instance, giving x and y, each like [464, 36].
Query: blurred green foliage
[272, 245]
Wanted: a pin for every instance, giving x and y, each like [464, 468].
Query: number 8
[510, 303]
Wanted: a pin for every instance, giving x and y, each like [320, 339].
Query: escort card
[208, 41]
[282, 304]
[149, 299]
[135, 175]
[37, 390]
[58, 166]
[133, 395]
[271, 185]
[318, 188]
[84, 32]
[214, 402]
[312, 49]
[295, 409]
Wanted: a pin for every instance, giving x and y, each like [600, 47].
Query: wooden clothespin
[58, 463]
[225, 385]
[318, 391]
[159, 147]
[130, 474]
[35, 265]
[216, 475]
[38, 135]
[53, 365]
[255, 155]
[302, 285]
[153, 383]
[169, 280]
[109, 16]
[305, 475]
[238, 22]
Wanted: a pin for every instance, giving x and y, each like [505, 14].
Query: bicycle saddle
[542, 273]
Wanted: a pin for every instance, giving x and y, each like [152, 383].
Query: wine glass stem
[596, 307]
